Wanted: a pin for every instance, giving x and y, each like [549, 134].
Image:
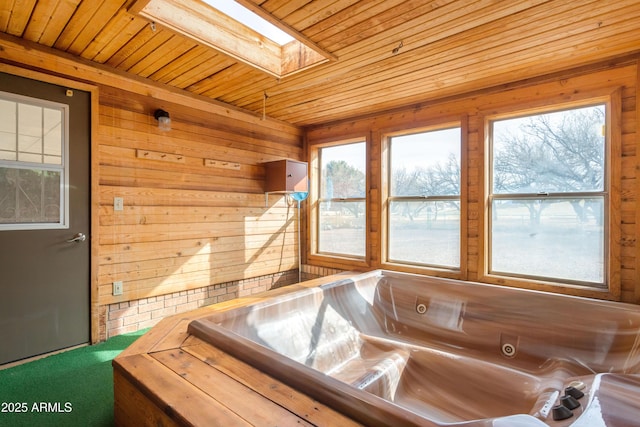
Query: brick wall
[146, 312]
[313, 272]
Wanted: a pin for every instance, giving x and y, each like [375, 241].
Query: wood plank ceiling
[390, 53]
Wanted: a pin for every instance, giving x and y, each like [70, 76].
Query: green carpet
[69, 389]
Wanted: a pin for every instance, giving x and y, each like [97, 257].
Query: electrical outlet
[117, 287]
[118, 204]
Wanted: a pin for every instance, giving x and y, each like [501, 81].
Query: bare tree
[441, 179]
[553, 153]
[344, 181]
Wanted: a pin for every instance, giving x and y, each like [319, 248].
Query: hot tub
[397, 349]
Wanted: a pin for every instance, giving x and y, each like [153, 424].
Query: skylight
[243, 15]
[225, 25]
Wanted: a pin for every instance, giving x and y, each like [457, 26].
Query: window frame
[415, 198]
[443, 123]
[315, 200]
[63, 168]
[611, 286]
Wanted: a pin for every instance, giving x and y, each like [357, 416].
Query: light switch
[117, 287]
[118, 204]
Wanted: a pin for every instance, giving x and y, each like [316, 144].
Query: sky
[251, 20]
[354, 154]
[409, 151]
[424, 149]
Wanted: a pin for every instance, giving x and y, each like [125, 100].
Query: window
[423, 211]
[548, 200]
[33, 150]
[342, 202]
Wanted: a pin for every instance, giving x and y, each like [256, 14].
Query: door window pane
[29, 133]
[33, 192]
[7, 130]
[29, 196]
[52, 136]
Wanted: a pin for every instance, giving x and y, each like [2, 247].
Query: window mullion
[422, 198]
[344, 199]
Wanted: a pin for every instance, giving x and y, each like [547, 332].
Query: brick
[151, 306]
[196, 297]
[114, 324]
[186, 307]
[123, 312]
[244, 292]
[175, 301]
[137, 318]
[163, 312]
[251, 285]
[216, 292]
[232, 289]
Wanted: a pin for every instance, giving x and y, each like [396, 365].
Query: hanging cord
[299, 248]
[299, 196]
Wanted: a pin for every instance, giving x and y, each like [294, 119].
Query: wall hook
[396, 50]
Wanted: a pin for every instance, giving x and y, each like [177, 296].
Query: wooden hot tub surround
[167, 377]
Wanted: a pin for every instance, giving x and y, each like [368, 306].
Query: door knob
[80, 237]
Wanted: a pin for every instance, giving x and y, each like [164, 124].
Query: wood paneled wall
[194, 206]
[193, 218]
[197, 216]
[471, 111]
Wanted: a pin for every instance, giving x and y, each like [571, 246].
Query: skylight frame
[209, 26]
